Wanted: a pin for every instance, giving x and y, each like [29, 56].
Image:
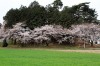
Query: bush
[5, 44]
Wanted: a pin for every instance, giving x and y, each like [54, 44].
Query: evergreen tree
[36, 15]
[57, 4]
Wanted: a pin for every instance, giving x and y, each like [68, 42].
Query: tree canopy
[36, 15]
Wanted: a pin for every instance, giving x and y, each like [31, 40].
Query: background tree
[34, 3]
[76, 14]
[12, 17]
[57, 4]
[23, 13]
[66, 17]
[53, 15]
[84, 13]
[36, 15]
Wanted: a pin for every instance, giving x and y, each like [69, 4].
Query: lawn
[37, 57]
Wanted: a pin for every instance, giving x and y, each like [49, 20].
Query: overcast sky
[5, 5]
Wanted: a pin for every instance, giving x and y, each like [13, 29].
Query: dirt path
[85, 51]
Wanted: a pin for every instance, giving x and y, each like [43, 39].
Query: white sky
[5, 5]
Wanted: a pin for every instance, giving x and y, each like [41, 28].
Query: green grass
[36, 57]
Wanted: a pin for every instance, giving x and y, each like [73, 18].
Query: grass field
[37, 57]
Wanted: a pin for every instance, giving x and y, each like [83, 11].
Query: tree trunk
[84, 45]
[92, 44]
[14, 41]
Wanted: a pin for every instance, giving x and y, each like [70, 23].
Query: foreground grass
[34, 57]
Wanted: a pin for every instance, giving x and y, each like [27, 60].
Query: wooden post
[84, 44]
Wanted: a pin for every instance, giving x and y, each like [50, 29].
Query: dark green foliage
[5, 44]
[53, 15]
[84, 13]
[33, 4]
[57, 4]
[36, 15]
[66, 18]
[77, 14]
[12, 17]
[33, 16]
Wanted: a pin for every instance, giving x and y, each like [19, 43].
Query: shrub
[5, 44]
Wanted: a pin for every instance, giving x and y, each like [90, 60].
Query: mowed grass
[37, 57]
